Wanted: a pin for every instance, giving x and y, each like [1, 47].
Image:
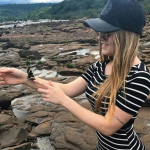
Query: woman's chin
[105, 53]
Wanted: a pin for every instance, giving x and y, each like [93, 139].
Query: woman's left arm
[97, 121]
[54, 94]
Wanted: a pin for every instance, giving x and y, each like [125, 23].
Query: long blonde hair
[126, 48]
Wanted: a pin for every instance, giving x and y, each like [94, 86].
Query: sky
[28, 1]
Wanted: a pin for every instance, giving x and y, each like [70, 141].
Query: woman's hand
[51, 93]
[12, 76]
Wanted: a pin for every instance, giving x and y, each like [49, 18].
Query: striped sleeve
[88, 74]
[137, 90]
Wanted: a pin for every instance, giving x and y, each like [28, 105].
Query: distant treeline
[15, 12]
[75, 9]
[70, 9]
[67, 9]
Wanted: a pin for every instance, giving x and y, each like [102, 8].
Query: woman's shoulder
[140, 72]
[140, 69]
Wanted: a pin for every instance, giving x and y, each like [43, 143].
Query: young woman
[116, 86]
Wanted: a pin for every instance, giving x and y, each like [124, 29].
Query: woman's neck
[136, 61]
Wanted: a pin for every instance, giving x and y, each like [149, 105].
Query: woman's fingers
[3, 82]
[46, 99]
[46, 86]
[44, 95]
[51, 83]
[42, 90]
[4, 70]
[1, 77]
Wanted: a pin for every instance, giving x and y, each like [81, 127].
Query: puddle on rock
[77, 52]
[20, 113]
[95, 53]
[148, 124]
[44, 144]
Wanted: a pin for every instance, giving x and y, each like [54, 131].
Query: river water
[28, 22]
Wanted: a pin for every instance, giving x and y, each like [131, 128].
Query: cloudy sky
[29, 1]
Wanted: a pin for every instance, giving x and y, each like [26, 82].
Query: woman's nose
[100, 38]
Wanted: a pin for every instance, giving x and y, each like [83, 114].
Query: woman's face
[107, 44]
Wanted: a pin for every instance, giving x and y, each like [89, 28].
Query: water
[45, 73]
[25, 102]
[20, 113]
[96, 53]
[28, 22]
[78, 52]
[148, 124]
[1, 54]
[44, 144]
[82, 52]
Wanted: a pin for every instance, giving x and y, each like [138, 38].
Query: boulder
[42, 129]
[40, 117]
[7, 95]
[5, 119]
[70, 72]
[10, 59]
[146, 140]
[30, 54]
[5, 46]
[13, 137]
[26, 46]
[24, 146]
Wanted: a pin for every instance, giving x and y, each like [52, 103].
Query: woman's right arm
[72, 89]
[13, 76]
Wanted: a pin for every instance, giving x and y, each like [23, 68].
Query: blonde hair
[126, 48]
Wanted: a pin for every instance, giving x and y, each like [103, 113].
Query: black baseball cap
[126, 15]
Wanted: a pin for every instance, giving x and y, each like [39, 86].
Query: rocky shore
[60, 51]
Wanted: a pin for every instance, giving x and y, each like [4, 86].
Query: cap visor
[99, 25]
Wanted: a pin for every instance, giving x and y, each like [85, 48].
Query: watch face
[30, 74]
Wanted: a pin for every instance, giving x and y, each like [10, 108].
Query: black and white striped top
[137, 89]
